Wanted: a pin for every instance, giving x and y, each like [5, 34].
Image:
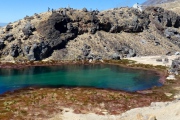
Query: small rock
[177, 96]
[171, 77]
[115, 56]
[168, 94]
[85, 9]
[159, 59]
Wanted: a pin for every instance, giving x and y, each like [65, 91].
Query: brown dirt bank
[40, 103]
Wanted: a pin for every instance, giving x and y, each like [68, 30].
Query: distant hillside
[172, 6]
[3, 24]
[154, 2]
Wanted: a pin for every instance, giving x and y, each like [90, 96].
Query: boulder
[133, 26]
[28, 29]
[9, 37]
[132, 53]
[86, 50]
[85, 9]
[54, 30]
[159, 59]
[169, 32]
[175, 66]
[9, 27]
[15, 50]
[115, 56]
[26, 50]
[37, 51]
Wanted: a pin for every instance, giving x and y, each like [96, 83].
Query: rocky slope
[154, 2]
[172, 6]
[69, 34]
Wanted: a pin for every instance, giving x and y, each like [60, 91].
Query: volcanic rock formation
[70, 34]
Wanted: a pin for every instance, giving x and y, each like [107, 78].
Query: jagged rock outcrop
[38, 37]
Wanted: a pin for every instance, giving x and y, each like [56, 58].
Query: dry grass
[105, 44]
[172, 6]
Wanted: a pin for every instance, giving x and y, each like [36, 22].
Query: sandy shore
[157, 111]
[153, 60]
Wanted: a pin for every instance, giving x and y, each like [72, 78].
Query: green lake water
[97, 76]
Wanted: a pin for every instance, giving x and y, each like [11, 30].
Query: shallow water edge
[125, 64]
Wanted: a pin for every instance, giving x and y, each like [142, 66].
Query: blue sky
[12, 10]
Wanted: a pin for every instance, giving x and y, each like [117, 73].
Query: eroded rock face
[57, 30]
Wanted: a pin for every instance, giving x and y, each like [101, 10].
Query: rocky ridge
[70, 34]
[155, 2]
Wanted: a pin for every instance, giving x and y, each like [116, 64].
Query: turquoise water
[97, 76]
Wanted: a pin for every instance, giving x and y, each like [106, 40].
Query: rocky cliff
[69, 34]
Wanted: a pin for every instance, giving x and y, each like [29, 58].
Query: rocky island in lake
[84, 64]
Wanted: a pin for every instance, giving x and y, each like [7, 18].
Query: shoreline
[161, 73]
[155, 94]
[130, 64]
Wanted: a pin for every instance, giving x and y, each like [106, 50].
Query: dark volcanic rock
[173, 35]
[55, 30]
[126, 51]
[54, 26]
[86, 50]
[164, 18]
[54, 33]
[26, 50]
[175, 67]
[28, 29]
[9, 27]
[169, 32]
[85, 9]
[116, 29]
[2, 45]
[116, 56]
[37, 51]
[15, 50]
[9, 37]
